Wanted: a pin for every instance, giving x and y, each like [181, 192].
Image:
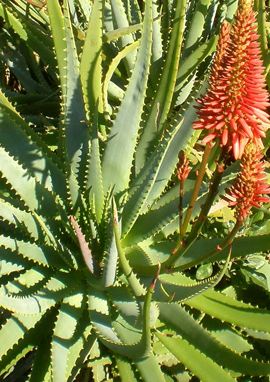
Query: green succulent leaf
[65, 336]
[125, 370]
[163, 97]
[195, 58]
[97, 98]
[32, 192]
[120, 20]
[74, 118]
[119, 151]
[197, 23]
[231, 310]
[177, 287]
[150, 363]
[196, 335]
[202, 366]
[90, 68]
[43, 255]
[29, 32]
[42, 363]
[107, 330]
[91, 79]
[30, 152]
[107, 85]
[242, 246]
[14, 330]
[143, 184]
[16, 216]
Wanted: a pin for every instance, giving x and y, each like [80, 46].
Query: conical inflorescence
[234, 107]
[250, 187]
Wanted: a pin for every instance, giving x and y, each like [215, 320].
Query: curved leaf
[74, 118]
[236, 312]
[191, 331]
[120, 148]
[162, 101]
[202, 366]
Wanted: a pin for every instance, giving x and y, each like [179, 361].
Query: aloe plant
[92, 284]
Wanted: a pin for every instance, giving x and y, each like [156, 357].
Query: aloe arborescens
[90, 282]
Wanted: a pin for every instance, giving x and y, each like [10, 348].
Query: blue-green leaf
[120, 148]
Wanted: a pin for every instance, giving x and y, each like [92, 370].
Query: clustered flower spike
[250, 186]
[234, 108]
[183, 168]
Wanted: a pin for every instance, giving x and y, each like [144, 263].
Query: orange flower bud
[183, 169]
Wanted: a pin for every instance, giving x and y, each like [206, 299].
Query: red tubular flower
[250, 185]
[183, 168]
[233, 109]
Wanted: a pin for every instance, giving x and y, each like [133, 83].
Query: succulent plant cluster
[102, 221]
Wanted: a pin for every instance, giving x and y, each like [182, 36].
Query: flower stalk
[233, 113]
[182, 174]
[196, 189]
[184, 245]
[227, 242]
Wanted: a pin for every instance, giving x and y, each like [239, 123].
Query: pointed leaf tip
[85, 250]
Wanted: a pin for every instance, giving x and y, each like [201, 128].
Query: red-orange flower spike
[250, 186]
[218, 62]
[183, 168]
[233, 110]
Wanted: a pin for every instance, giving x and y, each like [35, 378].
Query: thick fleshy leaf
[119, 152]
[230, 310]
[191, 331]
[161, 104]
